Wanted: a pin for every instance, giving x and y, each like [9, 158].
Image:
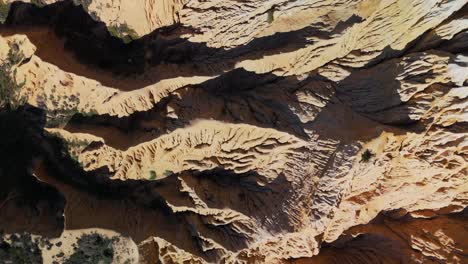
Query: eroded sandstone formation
[269, 131]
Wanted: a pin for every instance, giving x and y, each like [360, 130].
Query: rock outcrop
[268, 131]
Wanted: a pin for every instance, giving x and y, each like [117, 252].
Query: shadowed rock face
[237, 132]
[397, 238]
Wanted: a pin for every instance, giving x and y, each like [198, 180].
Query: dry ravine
[255, 131]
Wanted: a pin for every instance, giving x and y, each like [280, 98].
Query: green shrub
[90, 112]
[73, 147]
[167, 173]
[123, 31]
[15, 56]
[84, 3]
[10, 97]
[60, 117]
[366, 155]
[64, 108]
[4, 10]
[93, 248]
[270, 15]
[153, 175]
[22, 249]
[38, 3]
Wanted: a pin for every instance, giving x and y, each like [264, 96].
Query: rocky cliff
[272, 131]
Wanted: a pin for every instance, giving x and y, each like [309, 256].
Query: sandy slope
[288, 129]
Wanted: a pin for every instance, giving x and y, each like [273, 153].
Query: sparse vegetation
[90, 112]
[270, 15]
[366, 155]
[59, 118]
[93, 248]
[123, 31]
[84, 3]
[76, 143]
[167, 173]
[153, 175]
[4, 10]
[10, 97]
[75, 146]
[63, 111]
[20, 249]
[38, 3]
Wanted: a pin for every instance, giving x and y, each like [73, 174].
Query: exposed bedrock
[241, 131]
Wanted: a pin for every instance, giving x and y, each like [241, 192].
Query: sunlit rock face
[270, 131]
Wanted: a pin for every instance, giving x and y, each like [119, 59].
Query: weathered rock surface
[267, 131]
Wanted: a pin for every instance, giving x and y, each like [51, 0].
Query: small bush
[153, 175]
[167, 173]
[366, 155]
[90, 112]
[60, 117]
[4, 10]
[75, 147]
[10, 97]
[270, 15]
[84, 3]
[123, 31]
[38, 3]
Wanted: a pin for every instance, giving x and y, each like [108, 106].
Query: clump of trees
[10, 89]
[20, 248]
[93, 248]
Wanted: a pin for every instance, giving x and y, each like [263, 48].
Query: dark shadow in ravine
[239, 97]
[140, 208]
[431, 40]
[70, 38]
[389, 240]
[26, 203]
[425, 42]
[381, 94]
[62, 190]
[268, 204]
[67, 36]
